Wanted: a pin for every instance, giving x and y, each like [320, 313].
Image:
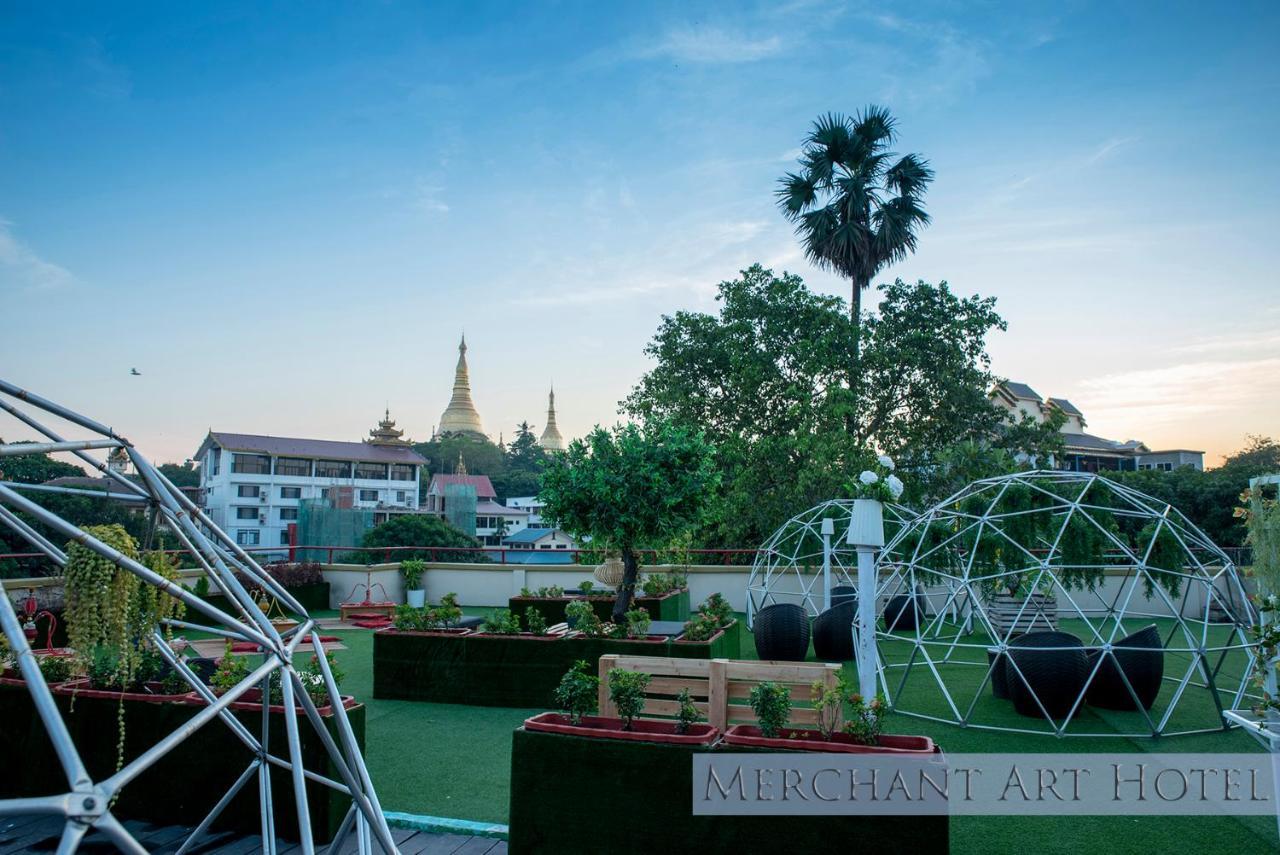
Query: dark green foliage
[626, 691]
[418, 530]
[502, 622]
[772, 705]
[534, 620]
[55, 669]
[35, 468]
[688, 713]
[637, 623]
[181, 474]
[514, 470]
[1165, 559]
[576, 693]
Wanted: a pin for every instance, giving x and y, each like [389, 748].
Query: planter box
[639, 795]
[205, 765]
[725, 644]
[312, 596]
[642, 730]
[670, 606]
[501, 670]
[840, 743]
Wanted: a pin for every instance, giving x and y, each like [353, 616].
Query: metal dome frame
[937, 553]
[778, 571]
[87, 804]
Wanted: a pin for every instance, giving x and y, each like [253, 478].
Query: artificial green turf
[454, 760]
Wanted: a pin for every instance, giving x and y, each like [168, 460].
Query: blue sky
[284, 215]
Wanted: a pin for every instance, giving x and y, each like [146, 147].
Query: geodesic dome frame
[788, 567]
[87, 803]
[1115, 560]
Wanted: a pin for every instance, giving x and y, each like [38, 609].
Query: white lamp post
[828, 529]
[866, 535]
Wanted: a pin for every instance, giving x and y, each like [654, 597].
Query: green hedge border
[505, 671]
[670, 606]
[576, 794]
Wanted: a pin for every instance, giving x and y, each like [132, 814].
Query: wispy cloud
[693, 46]
[426, 198]
[22, 269]
[1102, 151]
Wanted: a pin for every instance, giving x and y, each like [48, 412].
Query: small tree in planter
[411, 571]
[865, 719]
[576, 693]
[628, 487]
[772, 705]
[503, 622]
[534, 620]
[626, 691]
[583, 618]
[687, 714]
[231, 671]
[638, 621]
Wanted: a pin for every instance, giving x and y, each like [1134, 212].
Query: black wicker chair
[1143, 668]
[782, 632]
[832, 633]
[841, 594]
[904, 612]
[1051, 666]
[999, 685]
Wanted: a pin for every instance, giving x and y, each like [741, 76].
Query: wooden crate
[720, 688]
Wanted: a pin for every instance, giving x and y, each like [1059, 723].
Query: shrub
[828, 702]
[626, 691]
[638, 621]
[772, 705]
[421, 530]
[534, 620]
[576, 693]
[231, 671]
[688, 713]
[717, 607]
[202, 588]
[585, 587]
[502, 622]
[700, 628]
[312, 677]
[583, 618]
[411, 571]
[865, 719]
[55, 669]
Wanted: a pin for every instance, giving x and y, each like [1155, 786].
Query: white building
[251, 486]
[533, 506]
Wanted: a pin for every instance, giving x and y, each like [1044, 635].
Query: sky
[284, 215]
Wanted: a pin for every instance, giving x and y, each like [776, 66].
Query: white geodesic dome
[1088, 557]
[788, 567]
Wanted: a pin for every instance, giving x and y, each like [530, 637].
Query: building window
[1165, 467]
[401, 472]
[544, 546]
[333, 469]
[324, 492]
[562, 546]
[401, 496]
[291, 492]
[251, 464]
[288, 513]
[246, 513]
[293, 466]
[247, 537]
[215, 458]
[245, 491]
[372, 471]
[284, 537]
[368, 495]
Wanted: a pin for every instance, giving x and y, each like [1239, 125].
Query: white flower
[868, 477]
[886, 461]
[894, 484]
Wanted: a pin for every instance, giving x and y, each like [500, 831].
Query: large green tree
[419, 530]
[35, 468]
[763, 380]
[856, 205]
[631, 487]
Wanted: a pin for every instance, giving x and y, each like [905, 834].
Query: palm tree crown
[855, 209]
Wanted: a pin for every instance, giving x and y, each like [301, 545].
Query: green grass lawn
[454, 761]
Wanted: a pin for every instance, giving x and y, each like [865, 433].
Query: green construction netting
[321, 524]
[460, 507]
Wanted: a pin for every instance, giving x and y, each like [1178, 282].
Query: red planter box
[80, 689]
[839, 743]
[251, 701]
[642, 730]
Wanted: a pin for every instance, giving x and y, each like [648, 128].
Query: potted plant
[577, 697]
[411, 571]
[861, 733]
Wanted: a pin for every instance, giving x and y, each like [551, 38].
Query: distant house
[493, 520]
[539, 546]
[1086, 452]
[531, 504]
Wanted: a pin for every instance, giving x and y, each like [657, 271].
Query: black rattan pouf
[999, 685]
[1142, 667]
[1051, 666]
[904, 612]
[842, 594]
[833, 632]
[782, 633]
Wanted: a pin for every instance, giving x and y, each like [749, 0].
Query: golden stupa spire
[551, 439]
[461, 415]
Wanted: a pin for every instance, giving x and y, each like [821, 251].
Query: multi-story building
[1086, 452]
[493, 520]
[531, 504]
[252, 486]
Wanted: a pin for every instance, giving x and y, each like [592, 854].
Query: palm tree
[854, 211]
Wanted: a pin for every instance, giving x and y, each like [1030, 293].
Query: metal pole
[295, 753]
[828, 529]
[13, 449]
[865, 632]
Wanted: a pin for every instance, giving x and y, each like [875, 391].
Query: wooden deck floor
[41, 834]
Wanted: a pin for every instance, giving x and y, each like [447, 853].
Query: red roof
[484, 488]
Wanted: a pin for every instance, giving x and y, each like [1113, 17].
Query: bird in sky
[135, 372]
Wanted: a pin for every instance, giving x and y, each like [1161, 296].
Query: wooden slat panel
[671, 708]
[662, 665]
[672, 685]
[800, 692]
[790, 672]
[718, 699]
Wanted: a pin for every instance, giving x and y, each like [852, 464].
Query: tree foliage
[418, 530]
[35, 468]
[631, 487]
[514, 470]
[763, 380]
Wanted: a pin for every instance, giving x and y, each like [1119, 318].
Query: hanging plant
[101, 597]
[1165, 560]
[152, 606]
[1261, 516]
[1081, 551]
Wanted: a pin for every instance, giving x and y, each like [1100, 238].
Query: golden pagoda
[551, 439]
[387, 434]
[461, 416]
